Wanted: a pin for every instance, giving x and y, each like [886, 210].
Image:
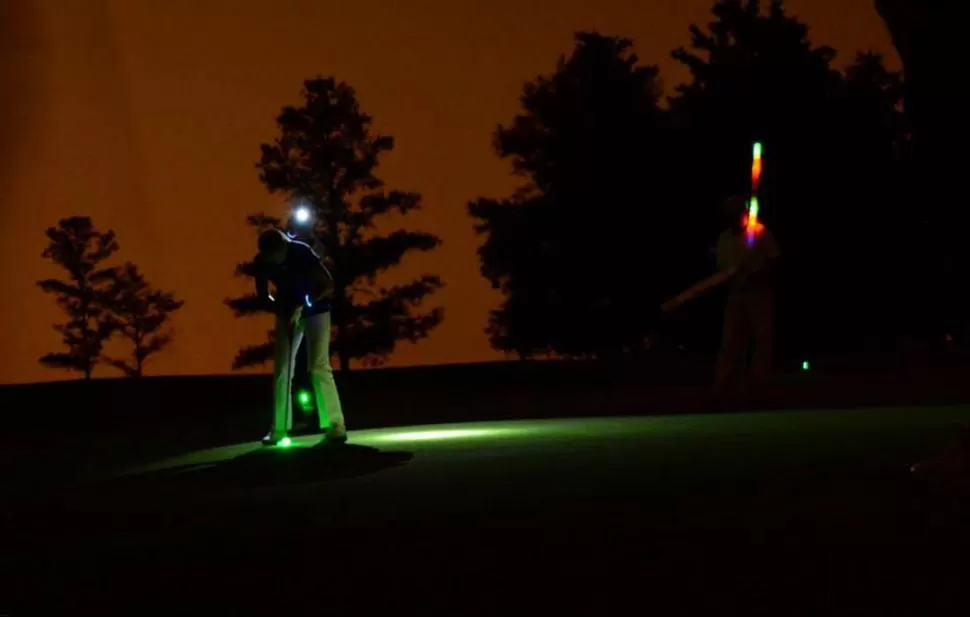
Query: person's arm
[263, 297]
[319, 281]
[323, 284]
[723, 265]
[766, 274]
[763, 271]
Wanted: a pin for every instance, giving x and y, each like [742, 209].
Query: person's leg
[287, 343]
[281, 380]
[321, 375]
[733, 346]
[762, 311]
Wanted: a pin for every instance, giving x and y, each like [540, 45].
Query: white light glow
[302, 215]
[439, 435]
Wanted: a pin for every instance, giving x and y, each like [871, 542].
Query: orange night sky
[147, 115]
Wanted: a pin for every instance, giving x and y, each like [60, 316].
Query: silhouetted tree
[583, 250]
[928, 34]
[139, 313]
[325, 157]
[77, 246]
[831, 145]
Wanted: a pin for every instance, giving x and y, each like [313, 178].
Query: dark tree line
[928, 35]
[618, 207]
[565, 249]
[619, 203]
[101, 301]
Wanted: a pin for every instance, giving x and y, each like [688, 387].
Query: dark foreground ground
[773, 513]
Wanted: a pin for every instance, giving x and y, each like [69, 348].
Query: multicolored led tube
[752, 226]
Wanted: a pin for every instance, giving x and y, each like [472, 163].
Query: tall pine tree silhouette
[81, 249]
[583, 251]
[326, 157]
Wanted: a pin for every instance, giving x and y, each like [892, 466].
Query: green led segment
[439, 435]
[304, 399]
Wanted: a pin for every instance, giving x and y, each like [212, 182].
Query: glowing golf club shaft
[752, 226]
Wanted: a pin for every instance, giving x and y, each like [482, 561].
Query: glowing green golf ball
[286, 442]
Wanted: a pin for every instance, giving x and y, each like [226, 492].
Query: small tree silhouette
[139, 313]
[80, 248]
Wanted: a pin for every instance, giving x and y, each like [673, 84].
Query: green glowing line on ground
[439, 435]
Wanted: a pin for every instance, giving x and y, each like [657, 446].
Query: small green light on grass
[304, 398]
[286, 442]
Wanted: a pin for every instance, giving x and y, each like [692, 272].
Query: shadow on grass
[267, 468]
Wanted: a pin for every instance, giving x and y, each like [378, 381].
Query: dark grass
[732, 514]
[82, 427]
[771, 513]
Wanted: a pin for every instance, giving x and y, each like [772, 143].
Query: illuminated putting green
[439, 435]
[656, 436]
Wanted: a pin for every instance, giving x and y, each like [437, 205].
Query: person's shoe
[335, 434]
[272, 439]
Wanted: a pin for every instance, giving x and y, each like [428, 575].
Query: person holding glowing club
[303, 288]
[747, 258]
[750, 260]
[748, 254]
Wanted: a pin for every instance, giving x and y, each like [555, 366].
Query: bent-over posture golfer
[301, 297]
